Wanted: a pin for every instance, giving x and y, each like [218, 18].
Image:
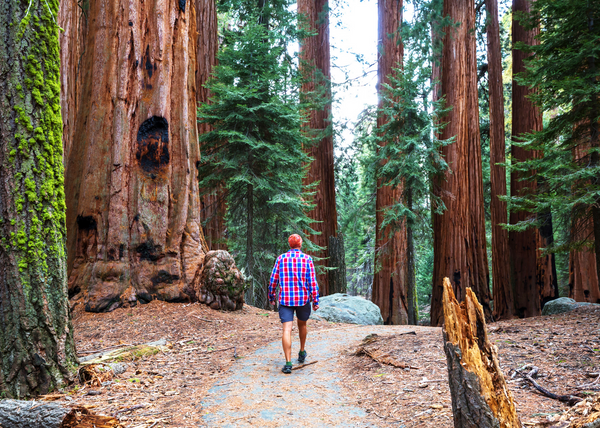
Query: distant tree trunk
[250, 229]
[546, 266]
[337, 277]
[411, 286]
[459, 233]
[37, 351]
[533, 278]
[134, 230]
[583, 277]
[389, 280]
[502, 290]
[212, 205]
[315, 68]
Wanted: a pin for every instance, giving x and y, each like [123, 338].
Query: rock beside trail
[561, 305]
[343, 308]
[220, 284]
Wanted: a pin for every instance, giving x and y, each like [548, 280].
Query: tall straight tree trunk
[459, 233]
[533, 277]
[389, 280]
[411, 286]
[133, 223]
[502, 290]
[37, 351]
[315, 69]
[212, 204]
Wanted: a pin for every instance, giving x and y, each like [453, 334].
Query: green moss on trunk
[36, 345]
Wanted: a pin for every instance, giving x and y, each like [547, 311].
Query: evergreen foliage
[355, 199]
[255, 147]
[564, 70]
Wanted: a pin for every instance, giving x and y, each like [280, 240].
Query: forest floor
[223, 369]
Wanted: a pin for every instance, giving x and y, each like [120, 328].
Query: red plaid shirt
[294, 272]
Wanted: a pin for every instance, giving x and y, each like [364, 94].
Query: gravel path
[256, 393]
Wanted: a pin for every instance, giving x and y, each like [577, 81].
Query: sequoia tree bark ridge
[459, 233]
[134, 231]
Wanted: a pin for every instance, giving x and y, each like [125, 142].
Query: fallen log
[480, 396]
[38, 414]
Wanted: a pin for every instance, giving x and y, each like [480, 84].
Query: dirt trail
[256, 393]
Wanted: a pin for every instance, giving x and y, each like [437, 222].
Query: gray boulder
[347, 309]
[561, 305]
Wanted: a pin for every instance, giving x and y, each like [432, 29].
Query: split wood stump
[39, 414]
[480, 396]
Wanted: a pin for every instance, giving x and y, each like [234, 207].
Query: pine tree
[255, 145]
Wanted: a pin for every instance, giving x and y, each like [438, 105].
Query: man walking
[294, 272]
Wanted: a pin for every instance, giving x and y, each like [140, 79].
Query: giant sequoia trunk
[389, 281]
[134, 231]
[212, 204]
[533, 277]
[36, 338]
[459, 233]
[502, 290]
[315, 68]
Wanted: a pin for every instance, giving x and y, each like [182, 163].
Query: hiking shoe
[287, 369]
[301, 356]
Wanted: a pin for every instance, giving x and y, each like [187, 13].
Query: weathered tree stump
[480, 396]
[37, 414]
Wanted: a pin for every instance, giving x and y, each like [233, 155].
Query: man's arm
[274, 282]
[311, 282]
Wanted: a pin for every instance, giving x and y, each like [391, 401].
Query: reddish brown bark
[212, 205]
[133, 209]
[583, 276]
[315, 68]
[459, 233]
[502, 290]
[533, 277]
[72, 19]
[389, 280]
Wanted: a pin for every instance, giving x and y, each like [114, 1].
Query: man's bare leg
[303, 331]
[286, 340]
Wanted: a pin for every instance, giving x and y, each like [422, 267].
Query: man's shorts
[286, 313]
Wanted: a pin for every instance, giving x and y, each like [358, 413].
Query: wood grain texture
[480, 395]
